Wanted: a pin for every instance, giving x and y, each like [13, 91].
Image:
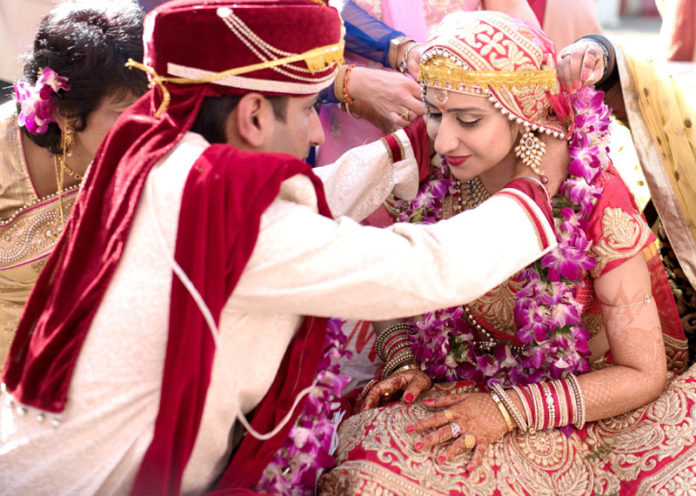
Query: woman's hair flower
[36, 102]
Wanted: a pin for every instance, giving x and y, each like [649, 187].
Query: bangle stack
[393, 345]
[503, 412]
[510, 406]
[546, 404]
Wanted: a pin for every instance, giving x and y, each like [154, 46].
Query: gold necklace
[71, 172]
[472, 193]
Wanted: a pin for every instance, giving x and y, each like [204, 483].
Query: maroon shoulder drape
[225, 195]
[66, 295]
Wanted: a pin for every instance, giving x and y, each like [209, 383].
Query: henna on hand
[475, 414]
[580, 64]
[413, 382]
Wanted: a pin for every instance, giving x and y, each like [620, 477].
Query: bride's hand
[470, 420]
[412, 382]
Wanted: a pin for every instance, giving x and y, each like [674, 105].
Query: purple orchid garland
[547, 309]
[36, 102]
[297, 465]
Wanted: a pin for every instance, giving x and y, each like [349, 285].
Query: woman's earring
[531, 149]
[67, 141]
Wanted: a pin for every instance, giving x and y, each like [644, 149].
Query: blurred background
[635, 24]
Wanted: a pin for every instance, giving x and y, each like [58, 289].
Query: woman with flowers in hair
[533, 382]
[74, 88]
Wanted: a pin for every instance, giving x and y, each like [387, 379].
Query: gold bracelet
[408, 366]
[503, 412]
[396, 362]
[511, 407]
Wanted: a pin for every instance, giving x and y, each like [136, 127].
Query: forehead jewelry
[441, 97]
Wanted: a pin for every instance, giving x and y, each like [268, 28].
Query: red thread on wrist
[346, 97]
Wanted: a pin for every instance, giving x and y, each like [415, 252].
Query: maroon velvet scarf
[66, 295]
[226, 192]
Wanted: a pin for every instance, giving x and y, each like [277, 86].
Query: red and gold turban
[509, 61]
[290, 47]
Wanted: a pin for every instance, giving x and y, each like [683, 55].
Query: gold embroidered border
[623, 236]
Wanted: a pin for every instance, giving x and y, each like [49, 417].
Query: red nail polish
[410, 428]
[418, 446]
[441, 459]
[408, 397]
[429, 401]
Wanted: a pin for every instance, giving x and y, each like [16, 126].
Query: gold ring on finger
[405, 116]
[448, 415]
[469, 441]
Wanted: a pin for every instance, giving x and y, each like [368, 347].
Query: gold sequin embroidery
[623, 236]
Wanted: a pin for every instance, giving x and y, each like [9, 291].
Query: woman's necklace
[72, 172]
[472, 193]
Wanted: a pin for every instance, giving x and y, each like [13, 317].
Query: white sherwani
[303, 264]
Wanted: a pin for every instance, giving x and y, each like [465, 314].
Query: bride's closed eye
[466, 123]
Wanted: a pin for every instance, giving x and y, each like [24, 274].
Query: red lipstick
[456, 161]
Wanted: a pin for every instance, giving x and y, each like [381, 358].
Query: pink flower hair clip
[35, 100]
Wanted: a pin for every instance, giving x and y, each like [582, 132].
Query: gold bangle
[408, 366]
[397, 362]
[503, 412]
[511, 407]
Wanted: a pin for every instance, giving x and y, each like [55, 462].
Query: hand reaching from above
[580, 64]
[468, 421]
[414, 59]
[393, 96]
[412, 382]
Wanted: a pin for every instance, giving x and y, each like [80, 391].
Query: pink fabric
[399, 14]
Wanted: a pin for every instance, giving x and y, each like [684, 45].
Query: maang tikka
[531, 149]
